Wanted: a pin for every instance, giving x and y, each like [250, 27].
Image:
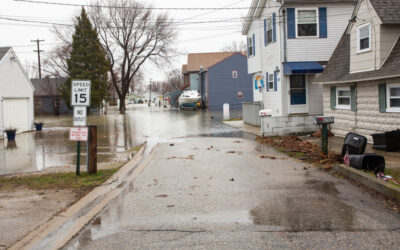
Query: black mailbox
[320, 120]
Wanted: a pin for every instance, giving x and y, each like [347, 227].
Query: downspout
[284, 35]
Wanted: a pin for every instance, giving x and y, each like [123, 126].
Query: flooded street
[117, 135]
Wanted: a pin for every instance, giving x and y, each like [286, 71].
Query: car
[140, 101]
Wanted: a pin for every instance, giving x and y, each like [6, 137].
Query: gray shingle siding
[223, 88]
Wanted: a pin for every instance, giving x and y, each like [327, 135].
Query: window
[343, 98]
[364, 38]
[234, 74]
[307, 24]
[270, 81]
[393, 97]
[269, 30]
[250, 43]
[298, 90]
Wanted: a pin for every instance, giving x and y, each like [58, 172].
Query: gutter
[360, 80]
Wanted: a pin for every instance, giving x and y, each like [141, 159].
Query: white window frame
[345, 107]
[388, 87]
[316, 19]
[250, 43]
[268, 81]
[234, 74]
[358, 38]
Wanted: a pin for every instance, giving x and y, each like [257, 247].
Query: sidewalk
[392, 159]
[244, 127]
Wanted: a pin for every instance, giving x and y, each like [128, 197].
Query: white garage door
[15, 114]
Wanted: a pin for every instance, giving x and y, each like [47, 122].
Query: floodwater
[117, 134]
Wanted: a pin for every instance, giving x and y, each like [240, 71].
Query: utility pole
[37, 41]
[150, 93]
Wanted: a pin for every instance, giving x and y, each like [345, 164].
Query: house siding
[367, 60]
[367, 119]
[223, 88]
[321, 49]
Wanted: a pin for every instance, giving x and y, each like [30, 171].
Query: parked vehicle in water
[189, 99]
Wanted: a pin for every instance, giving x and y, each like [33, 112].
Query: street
[216, 192]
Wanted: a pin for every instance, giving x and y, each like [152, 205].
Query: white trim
[345, 107]
[369, 38]
[388, 87]
[362, 70]
[316, 20]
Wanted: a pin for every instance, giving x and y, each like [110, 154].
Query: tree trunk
[122, 104]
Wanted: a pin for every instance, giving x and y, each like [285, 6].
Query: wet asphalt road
[217, 193]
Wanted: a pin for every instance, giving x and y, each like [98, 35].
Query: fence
[250, 112]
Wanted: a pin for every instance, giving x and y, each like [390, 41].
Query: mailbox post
[324, 121]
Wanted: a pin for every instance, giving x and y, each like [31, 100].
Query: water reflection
[36, 151]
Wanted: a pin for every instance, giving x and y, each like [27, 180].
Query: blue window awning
[291, 68]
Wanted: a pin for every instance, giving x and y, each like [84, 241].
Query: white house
[362, 79]
[16, 93]
[289, 43]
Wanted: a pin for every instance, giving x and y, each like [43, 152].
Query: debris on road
[237, 142]
[268, 157]
[171, 145]
[306, 151]
[231, 179]
[169, 206]
[161, 196]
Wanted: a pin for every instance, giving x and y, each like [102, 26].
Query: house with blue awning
[289, 43]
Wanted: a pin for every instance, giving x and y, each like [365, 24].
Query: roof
[338, 68]
[47, 86]
[319, 1]
[387, 10]
[3, 51]
[205, 60]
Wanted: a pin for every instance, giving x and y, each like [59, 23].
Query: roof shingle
[205, 60]
[3, 51]
[388, 10]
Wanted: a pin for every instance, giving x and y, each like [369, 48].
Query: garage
[15, 114]
[16, 94]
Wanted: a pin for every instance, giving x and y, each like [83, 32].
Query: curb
[56, 232]
[241, 128]
[369, 181]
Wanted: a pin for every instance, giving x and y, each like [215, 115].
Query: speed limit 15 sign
[80, 93]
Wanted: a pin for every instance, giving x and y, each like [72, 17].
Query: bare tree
[55, 61]
[131, 35]
[175, 79]
[235, 46]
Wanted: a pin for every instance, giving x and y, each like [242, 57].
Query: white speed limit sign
[80, 93]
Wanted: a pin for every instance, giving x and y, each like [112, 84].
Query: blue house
[227, 81]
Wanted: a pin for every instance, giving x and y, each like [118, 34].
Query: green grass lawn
[57, 181]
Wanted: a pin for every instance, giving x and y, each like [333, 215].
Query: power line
[138, 7]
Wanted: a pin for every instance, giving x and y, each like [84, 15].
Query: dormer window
[364, 38]
[307, 24]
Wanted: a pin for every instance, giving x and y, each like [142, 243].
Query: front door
[298, 94]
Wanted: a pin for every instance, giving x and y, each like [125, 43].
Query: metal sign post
[80, 100]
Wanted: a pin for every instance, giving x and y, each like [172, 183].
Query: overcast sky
[192, 38]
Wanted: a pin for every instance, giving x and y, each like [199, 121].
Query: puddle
[36, 151]
[306, 212]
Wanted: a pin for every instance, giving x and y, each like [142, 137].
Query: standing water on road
[117, 135]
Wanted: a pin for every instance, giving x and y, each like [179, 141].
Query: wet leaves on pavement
[161, 196]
